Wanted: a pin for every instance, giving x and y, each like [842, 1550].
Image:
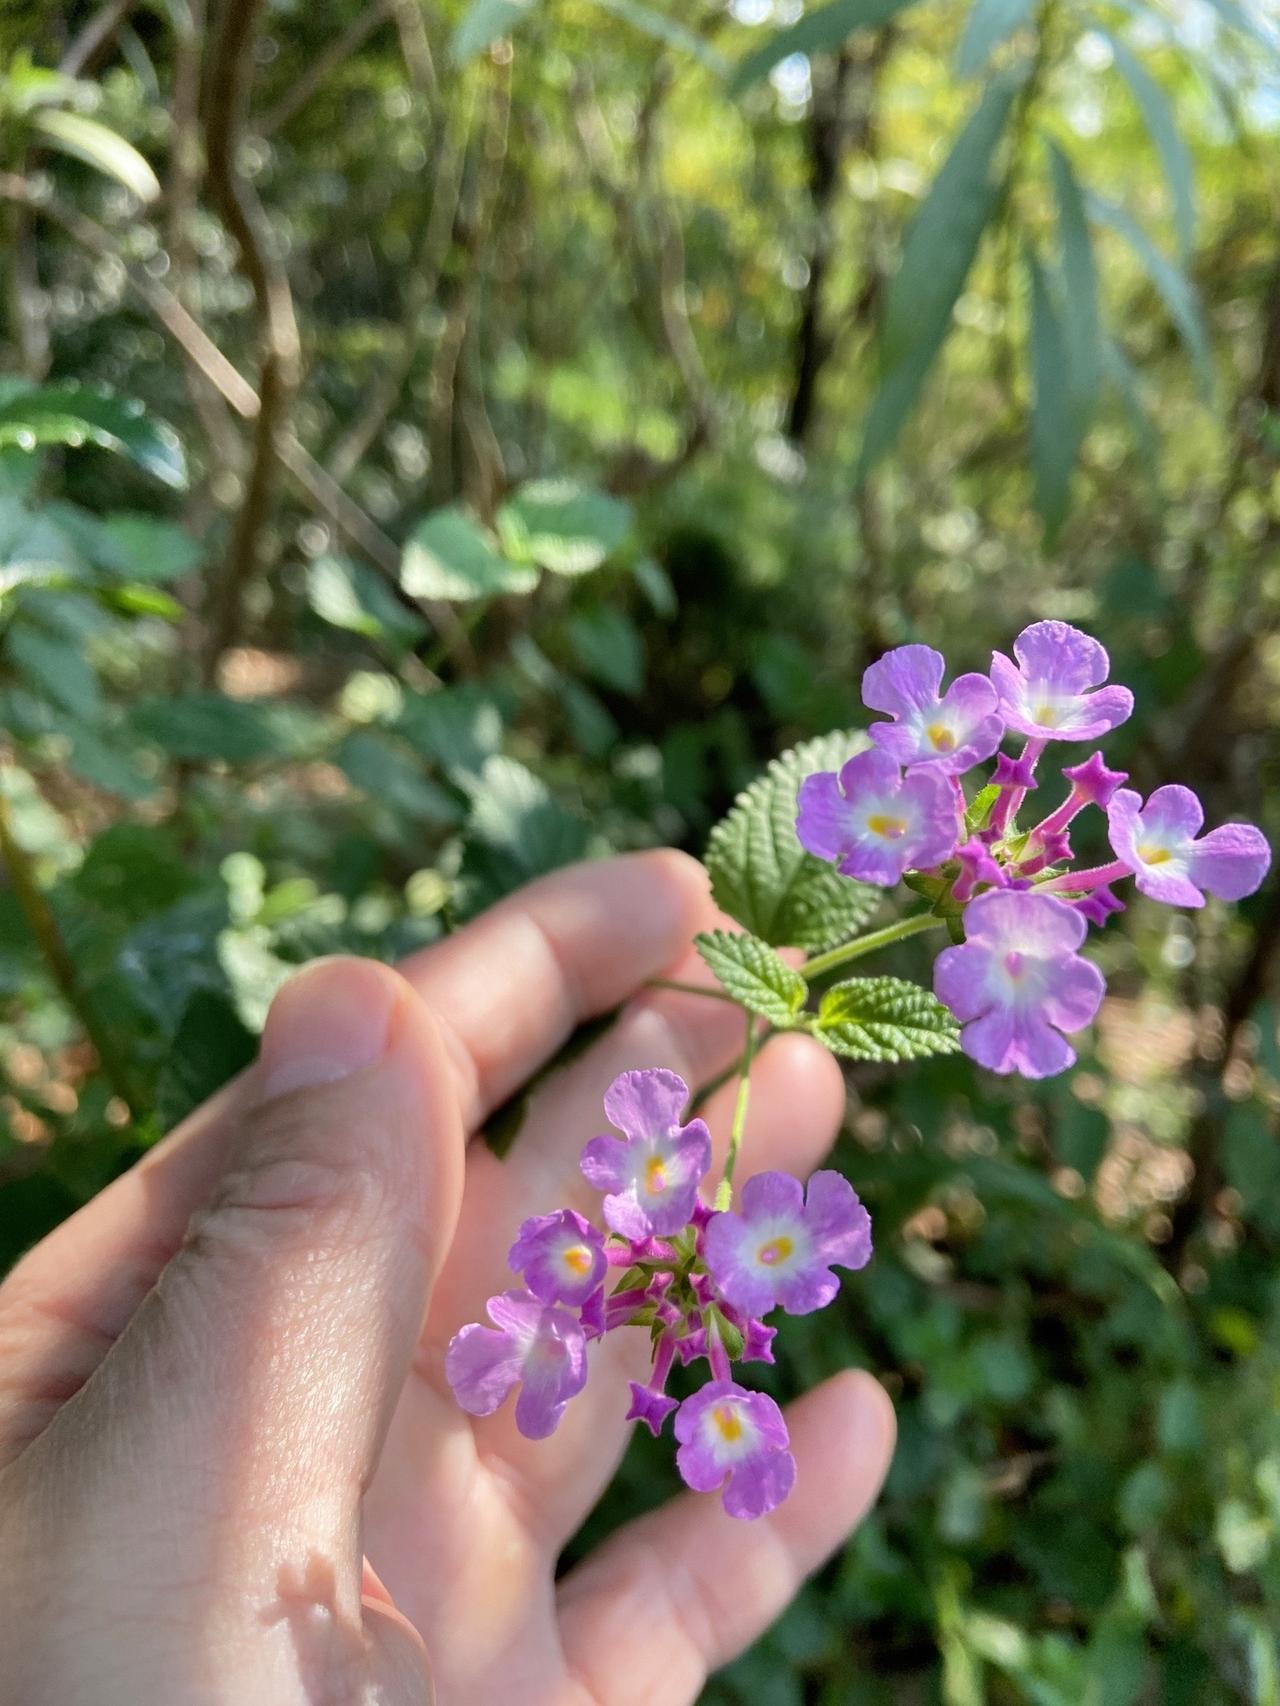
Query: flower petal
[646, 1104]
[904, 680]
[1231, 861]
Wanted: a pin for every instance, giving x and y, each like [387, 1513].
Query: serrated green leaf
[567, 528]
[815, 32]
[760, 874]
[884, 1018]
[753, 974]
[449, 556]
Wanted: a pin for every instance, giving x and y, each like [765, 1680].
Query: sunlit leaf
[752, 973]
[566, 527]
[989, 23]
[98, 147]
[1169, 142]
[449, 556]
[76, 415]
[815, 32]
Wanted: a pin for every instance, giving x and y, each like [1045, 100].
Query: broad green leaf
[760, 874]
[75, 415]
[943, 238]
[753, 974]
[1055, 437]
[989, 23]
[608, 648]
[661, 28]
[517, 830]
[147, 549]
[449, 556]
[1081, 320]
[1172, 285]
[1169, 143]
[816, 32]
[458, 728]
[211, 727]
[483, 23]
[884, 1018]
[350, 595]
[937, 255]
[386, 770]
[133, 870]
[563, 526]
[98, 147]
[54, 668]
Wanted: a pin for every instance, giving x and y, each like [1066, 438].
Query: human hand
[230, 1467]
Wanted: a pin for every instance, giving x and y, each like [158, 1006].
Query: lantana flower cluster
[1019, 910]
[697, 1281]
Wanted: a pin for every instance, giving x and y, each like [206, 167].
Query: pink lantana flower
[1049, 694]
[1016, 983]
[651, 1174]
[737, 1440]
[874, 823]
[953, 730]
[783, 1244]
[1161, 844]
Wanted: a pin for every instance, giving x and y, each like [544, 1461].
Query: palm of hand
[461, 1520]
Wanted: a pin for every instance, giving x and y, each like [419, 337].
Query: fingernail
[328, 1021]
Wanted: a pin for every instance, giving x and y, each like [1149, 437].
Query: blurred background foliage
[442, 439]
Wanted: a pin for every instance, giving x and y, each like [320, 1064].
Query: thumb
[250, 1394]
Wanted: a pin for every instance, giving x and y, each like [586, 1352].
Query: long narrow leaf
[989, 23]
[1081, 319]
[661, 28]
[1172, 285]
[1169, 143]
[1055, 434]
[945, 233]
[815, 32]
[98, 147]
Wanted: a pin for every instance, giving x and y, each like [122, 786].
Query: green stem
[820, 964]
[44, 927]
[688, 988]
[724, 1195]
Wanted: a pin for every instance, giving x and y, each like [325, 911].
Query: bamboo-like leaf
[936, 258]
[661, 28]
[1055, 436]
[98, 147]
[1168, 140]
[816, 32]
[1172, 285]
[989, 23]
[483, 23]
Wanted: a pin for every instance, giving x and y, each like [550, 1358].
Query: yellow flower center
[728, 1422]
[655, 1177]
[1150, 854]
[775, 1251]
[1046, 716]
[577, 1258]
[941, 737]
[890, 828]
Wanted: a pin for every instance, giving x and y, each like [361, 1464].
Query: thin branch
[415, 45]
[339, 49]
[345, 514]
[423, 282]
[84, 51]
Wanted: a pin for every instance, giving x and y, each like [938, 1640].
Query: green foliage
[884, 1018]
[694, 404]
[760, 874]
[753, 974]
